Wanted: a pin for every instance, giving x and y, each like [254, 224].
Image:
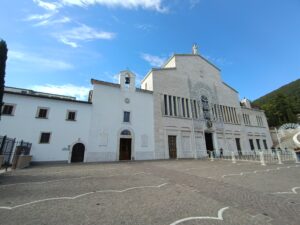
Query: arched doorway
[125, 145]
[78, 153]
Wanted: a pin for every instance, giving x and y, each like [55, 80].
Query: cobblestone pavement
[159, 192]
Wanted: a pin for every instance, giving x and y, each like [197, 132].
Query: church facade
[182, 110]
[195, 111]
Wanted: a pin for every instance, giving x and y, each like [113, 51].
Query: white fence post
[211, 157]
[233, 157]
[262, 160]
[279, 158]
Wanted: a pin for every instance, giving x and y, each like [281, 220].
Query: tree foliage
[282, 105]
[3, 58]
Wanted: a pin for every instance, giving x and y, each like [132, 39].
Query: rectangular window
[187, 108]
[175, 106]
[231, 114]
[199, 108]
[183, 107]
[170, 105]
[192, 108]
[216, 112]
[220, 113]
[261, 124]
[126, 117]
[42, 113]
[251, 144]
[246, 118]
[226, 114]
[45, 138]
[238, 144]
[223, 114]
[8, 110]
[178, 106]
[71, 115]
[265, 144]
[166, 104]
[258, 143]
[195, 108]
[235, 116]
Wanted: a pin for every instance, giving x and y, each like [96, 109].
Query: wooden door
[172, 147]
[125, 149]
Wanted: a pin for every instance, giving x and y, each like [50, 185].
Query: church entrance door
[209, 141]
[77, 153]
[125, 149]
[172, 147]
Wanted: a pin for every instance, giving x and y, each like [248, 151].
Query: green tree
[3, 58]
[280, 110]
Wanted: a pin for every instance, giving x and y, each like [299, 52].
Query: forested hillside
[282, 105]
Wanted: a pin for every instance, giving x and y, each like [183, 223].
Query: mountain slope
[281, 105]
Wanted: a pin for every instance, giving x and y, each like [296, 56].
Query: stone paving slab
[158, 192]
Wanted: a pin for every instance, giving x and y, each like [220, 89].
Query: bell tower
[127, 80]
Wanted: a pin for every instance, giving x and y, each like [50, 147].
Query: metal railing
[261, 156]
[10, 147]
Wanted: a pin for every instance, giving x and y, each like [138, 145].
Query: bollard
[279, 158]
[233, 157]
[262, 160]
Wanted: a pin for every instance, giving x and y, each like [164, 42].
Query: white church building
[181, 110]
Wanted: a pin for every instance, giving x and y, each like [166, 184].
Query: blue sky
[59, 45]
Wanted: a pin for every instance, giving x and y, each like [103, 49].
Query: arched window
[125, 132]
[127, 80]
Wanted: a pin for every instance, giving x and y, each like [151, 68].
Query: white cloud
[49, 18]
[80, 92]
[82, 33]
[52, 22]
[129, 4]
[115, 78]
[67, 42]
[36, 60]
[155, 61]
[39, 16]
[47, 5]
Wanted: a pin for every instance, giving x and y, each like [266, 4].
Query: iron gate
[6, 148]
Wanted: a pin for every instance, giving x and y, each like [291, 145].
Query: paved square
[159, 192]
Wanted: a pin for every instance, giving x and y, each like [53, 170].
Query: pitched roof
[47, 97]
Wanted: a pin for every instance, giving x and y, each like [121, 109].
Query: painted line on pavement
[257, 171]
[79, 196]
[289, 192]
[220, 217]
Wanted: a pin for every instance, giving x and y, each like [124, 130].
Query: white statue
[195, 49]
